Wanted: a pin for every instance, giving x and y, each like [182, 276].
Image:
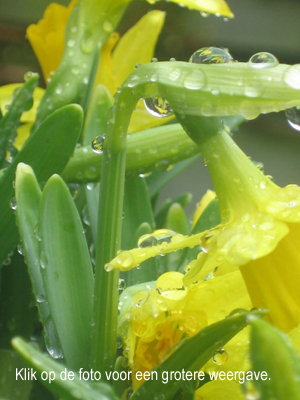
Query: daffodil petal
[6, 93]
[137, 45]
[273, 281]
[201, 206]
[220, 390]
[104, 74]
[47, 38]
[23, 133]
[129, 259]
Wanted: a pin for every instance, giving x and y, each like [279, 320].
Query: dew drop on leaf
[211, 55]
[158, 107]
[263, 60]
[97, 144]
[220, 357]
[293, 117]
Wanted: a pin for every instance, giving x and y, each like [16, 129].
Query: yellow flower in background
[201, 206]
[27, 117]
[157, 318]
[258, 234]
[47, 38]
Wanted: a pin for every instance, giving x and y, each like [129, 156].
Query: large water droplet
[51, 340]
[20, 248]
[157, 237]
[293, 117]
[122, 284]
[263, 60]
[291, 76]
[40, 297]
[97, 144]
[194, 80]
[211, 55]
[220, 357]
[158, 106]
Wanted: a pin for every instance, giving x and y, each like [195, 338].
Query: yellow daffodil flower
[201, 206]
[258, 234]
[161, 316]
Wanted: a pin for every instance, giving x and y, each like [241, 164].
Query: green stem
[104, 343]
[236, 179]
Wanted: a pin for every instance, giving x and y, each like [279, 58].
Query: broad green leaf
[22, 100]
[192, 354]
[17, 309]
[10, 388]
[68, 389]
[161, 215]
[47, 151]
[28, 195]
[66, 271]
[121, 385]
[270, 351]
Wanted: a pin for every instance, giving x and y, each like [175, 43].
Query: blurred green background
[269, 25]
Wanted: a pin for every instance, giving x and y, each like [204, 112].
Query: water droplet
[75, 69]
[293, 117]
[220, 357]
[122, 285]
[137, 65]
[125, 259]
[119, 342]
[87, 43]
[209, 276]
[204, 14]
[134, 80]
[254, 89]
[159, 396]
[107, 26]
[71, 43]
[211, 55]
[158, 106]
[28, 75]
[263, 60]
[97, 144]
[291, 76]
[13, 203]
[7, 261]
[51, 340]
[154, 59]
[174, 74]
[194, 80]
[157, 237]
[90, 186]
[59, 89]
[43, 259]
[249, 391]
[172, 59]
[40, 298]
[20, 248]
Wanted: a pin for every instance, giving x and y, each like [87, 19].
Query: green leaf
[68, 389]
[66, 271]
[10, 388]
[17, 309]
[28, 195]
[208, 219]
[176, 221]
[21, 101]
[47, 151]
[192, 354]
[149, 150]
[271, 352]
